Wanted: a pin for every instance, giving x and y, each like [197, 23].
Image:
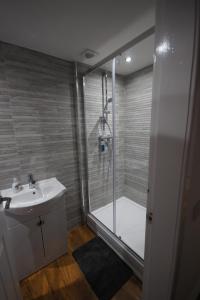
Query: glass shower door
[99, 133]
[133, 102]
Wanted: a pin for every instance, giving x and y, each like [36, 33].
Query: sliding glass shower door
[133, 124]
[98, 97]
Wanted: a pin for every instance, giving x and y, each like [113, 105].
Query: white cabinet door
[26, 240]
[9, 289]
[54, 232]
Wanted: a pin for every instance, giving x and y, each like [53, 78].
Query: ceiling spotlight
[128, 59]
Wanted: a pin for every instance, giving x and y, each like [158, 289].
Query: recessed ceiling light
[128, 59]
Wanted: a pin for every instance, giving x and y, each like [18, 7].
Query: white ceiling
[141, 56]
[64, 28]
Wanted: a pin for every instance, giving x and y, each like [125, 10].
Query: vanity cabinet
[27, 246]
[39, 240]
[54, 234]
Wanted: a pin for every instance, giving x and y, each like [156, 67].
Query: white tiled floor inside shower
[130, 222]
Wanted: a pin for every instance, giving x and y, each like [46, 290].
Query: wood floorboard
[63, 279]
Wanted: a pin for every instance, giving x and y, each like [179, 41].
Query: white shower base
[130, 222]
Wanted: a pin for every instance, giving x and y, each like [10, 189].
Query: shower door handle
[149, 217]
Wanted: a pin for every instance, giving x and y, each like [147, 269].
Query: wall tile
[37, 122]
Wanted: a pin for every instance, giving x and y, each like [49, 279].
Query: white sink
[34, 201]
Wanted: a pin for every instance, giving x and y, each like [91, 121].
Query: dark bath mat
[103, 269]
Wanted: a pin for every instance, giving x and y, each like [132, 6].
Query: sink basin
[34, 201]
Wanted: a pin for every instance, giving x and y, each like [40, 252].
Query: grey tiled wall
[137, 125]
[37, 122]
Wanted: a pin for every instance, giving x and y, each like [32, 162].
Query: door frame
[174, 77]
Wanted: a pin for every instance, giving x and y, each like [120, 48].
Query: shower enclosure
[117, 113]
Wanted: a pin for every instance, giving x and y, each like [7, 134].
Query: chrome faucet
[16, 185]
[5, 199]
[31, 181]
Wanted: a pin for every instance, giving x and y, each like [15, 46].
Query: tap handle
[30, 178]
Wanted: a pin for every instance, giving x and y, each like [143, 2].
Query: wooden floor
[63, 279]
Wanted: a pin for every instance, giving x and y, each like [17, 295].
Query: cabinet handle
[40, 223]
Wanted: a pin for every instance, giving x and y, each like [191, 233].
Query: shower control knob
[149, 217]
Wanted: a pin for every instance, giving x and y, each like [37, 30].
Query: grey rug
[103, 269]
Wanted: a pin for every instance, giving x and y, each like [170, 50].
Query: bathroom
[97, 120]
